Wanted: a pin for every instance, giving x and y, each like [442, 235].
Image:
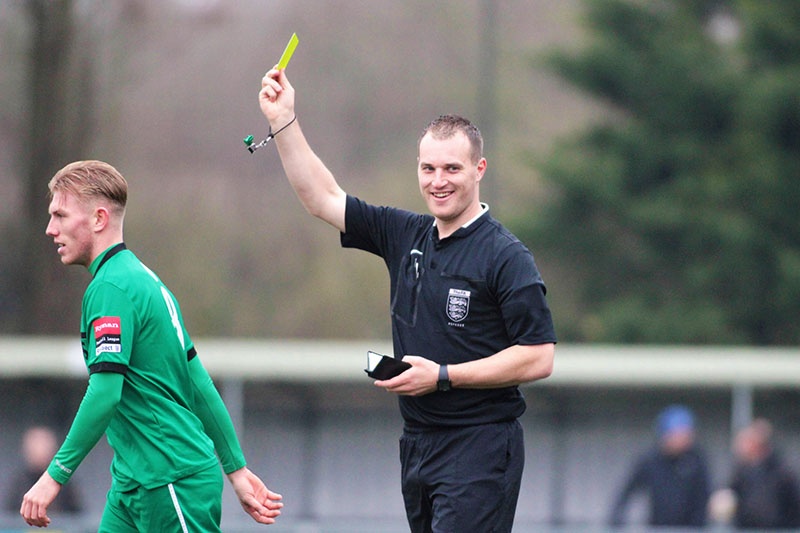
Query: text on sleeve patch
[107, 335]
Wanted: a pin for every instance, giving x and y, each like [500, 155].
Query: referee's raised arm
[311, 180]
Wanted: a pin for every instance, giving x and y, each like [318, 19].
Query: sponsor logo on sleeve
[107, 335]
[63, 467]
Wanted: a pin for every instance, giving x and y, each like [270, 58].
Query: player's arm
[211, 410]
[311, 180]
[256, 499]
[94, 414]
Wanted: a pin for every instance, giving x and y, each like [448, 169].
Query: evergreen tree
[678, 213]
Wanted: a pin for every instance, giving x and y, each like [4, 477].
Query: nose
[439, 178]
[50, 230]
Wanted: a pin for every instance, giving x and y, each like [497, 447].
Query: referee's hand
[256, 499]
[420, 379]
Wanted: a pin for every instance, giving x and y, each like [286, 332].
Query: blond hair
[91, 180]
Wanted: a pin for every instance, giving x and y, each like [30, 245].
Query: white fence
[313, 425]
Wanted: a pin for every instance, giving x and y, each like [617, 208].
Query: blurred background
[647, 153]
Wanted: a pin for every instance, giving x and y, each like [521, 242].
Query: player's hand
[276, 98]
[38, 499]
[256, 499]
[420, 379]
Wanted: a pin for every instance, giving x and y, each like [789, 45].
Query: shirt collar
[463, 231]
[101, 259]
[484, 208]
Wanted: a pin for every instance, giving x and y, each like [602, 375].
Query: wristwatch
[443, 384]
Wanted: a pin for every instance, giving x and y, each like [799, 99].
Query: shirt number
[173, 313]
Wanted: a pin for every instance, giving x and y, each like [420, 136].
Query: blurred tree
[58, 102]
[678, 214]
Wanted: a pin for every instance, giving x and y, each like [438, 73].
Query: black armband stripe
[83, 346]
[191, 354]
[116, 368]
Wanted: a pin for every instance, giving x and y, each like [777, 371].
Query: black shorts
[462, 479]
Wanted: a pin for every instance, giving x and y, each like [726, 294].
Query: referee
[148, 391]
[468, 313]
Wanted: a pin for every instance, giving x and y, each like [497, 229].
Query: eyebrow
[446, 164]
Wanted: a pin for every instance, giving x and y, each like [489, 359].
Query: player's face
[448, 180]
[70, 227]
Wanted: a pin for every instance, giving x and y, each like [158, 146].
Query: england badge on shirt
[107, 335]
[457, 305]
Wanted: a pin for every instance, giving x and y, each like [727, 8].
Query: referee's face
[70, 227]
[448, 180]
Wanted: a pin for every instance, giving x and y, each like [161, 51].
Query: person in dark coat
[765, 488]
[673, 474]
[38, 445]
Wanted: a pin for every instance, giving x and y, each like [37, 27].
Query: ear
[101, 219]
[481, 168]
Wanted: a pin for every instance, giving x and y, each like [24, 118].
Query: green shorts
[193, 504]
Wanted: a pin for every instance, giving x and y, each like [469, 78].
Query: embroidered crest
[457, 305]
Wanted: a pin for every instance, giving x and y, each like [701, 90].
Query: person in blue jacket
[673, 474]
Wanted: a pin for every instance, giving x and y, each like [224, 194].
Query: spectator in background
[766, 490]
[674, 475]
[38, 446]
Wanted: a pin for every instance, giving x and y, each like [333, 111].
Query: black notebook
[384, 366]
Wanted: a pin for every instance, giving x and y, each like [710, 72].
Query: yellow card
[287, 54]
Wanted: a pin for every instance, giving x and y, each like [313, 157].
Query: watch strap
[444, 379]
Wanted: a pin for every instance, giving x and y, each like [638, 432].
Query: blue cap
[674, 418]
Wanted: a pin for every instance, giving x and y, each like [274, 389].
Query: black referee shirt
[454, 300]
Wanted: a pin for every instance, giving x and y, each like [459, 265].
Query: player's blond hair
[91, 180]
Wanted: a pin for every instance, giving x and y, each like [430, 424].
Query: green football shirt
[131, 325]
